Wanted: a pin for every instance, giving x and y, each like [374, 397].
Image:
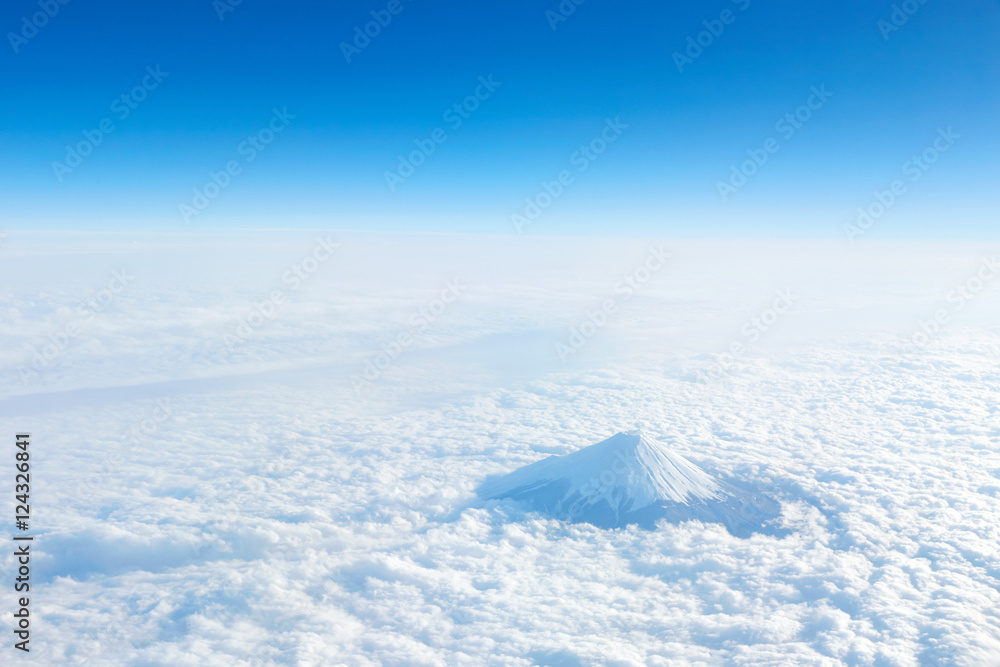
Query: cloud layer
[271, 514]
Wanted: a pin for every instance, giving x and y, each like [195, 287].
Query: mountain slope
[631, 478]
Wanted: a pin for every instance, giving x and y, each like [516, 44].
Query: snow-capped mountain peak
[627, 478]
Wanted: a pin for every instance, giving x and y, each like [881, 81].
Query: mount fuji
[632, 479]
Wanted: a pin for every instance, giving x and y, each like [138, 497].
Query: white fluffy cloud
[275, 516]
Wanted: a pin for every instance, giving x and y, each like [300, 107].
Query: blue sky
[559, 80]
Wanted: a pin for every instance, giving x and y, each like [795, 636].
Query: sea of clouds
[214, 487]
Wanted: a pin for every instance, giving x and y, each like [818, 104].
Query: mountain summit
[631, 478]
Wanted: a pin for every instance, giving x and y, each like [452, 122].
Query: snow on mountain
[631, 478]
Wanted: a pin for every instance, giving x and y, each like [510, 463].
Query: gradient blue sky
[686, 129]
